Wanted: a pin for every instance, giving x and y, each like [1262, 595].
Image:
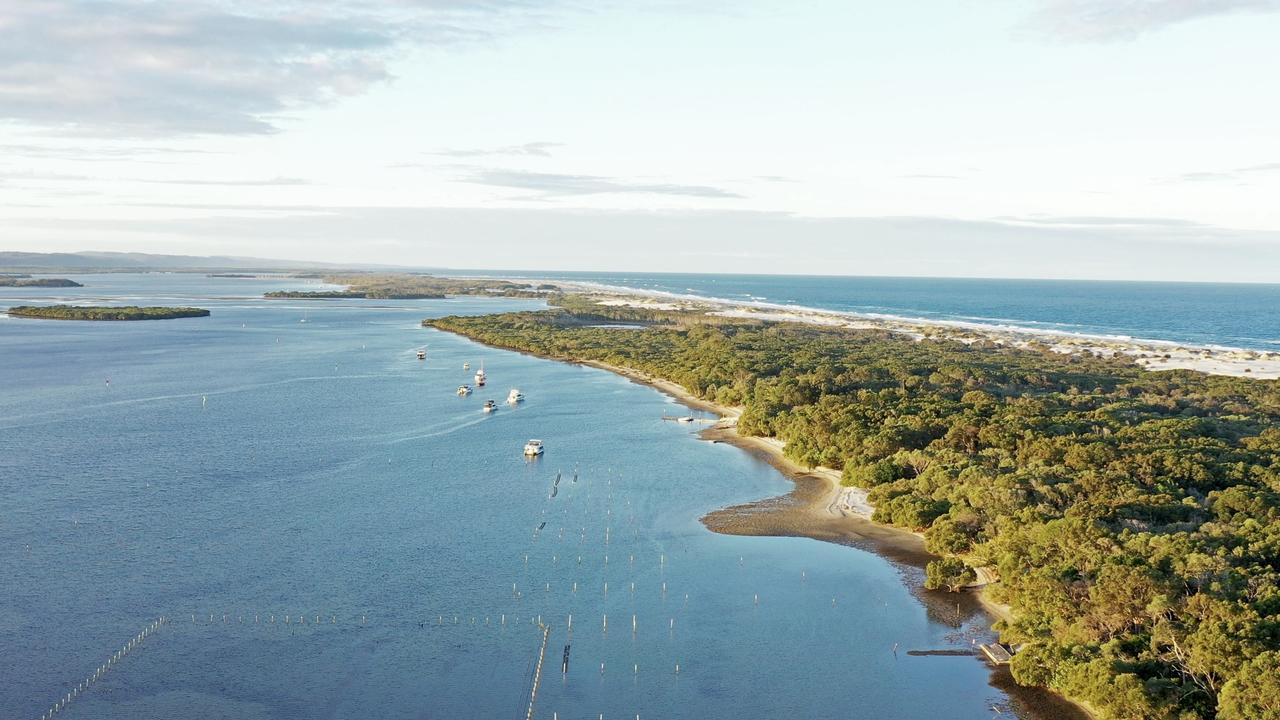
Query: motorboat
[490, 406]
[464, 390]
[515, 396]
[533, 447]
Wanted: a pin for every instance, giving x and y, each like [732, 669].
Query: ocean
[1202, 314]
[329, 531]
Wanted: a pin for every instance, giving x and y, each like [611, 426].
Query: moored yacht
[464, 390]
[480, 376]
[533, 447]
[466, 366]
[422, 353]
[515, 396]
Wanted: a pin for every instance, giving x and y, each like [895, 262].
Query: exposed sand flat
[819, 507]
[631, 302]
[1243, 364]
[798, 317]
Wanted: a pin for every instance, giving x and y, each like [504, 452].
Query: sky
[1098, 139]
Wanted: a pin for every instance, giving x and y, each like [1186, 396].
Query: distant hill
[117, 261]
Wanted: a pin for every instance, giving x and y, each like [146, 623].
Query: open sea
[1233, 315]
[328, 531]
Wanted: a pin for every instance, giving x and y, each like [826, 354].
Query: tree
[949, 573]
[1254, 692]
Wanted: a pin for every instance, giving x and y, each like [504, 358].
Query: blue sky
[1129, 139]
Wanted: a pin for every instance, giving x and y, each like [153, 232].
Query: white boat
[515, 396]
[489, 406]
[464, 390]
[422, 354]
[533, 447]
[685, 419]
[480, 376]
[466, 366]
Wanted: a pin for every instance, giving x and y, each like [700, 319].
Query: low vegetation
[26, 281]
[1132, 517]
[88, 312]
[411, 287]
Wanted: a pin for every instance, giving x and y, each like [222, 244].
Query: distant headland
[27, 281]
[389, 286]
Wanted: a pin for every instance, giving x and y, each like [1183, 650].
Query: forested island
[380, 286]
[27, 281]
[1131, 518]
[99, 312]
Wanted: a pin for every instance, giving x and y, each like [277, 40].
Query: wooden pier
[998, 654]
[537, 672]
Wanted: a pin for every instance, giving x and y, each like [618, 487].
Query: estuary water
[330, 531]
[1211, 314]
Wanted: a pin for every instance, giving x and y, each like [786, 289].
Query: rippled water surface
[332, 533]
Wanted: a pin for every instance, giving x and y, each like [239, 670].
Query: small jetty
[996, 653]
[102, 669]
[537, 672]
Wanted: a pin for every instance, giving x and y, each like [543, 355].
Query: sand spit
[1150, 354]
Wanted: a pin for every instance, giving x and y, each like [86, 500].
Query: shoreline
[812, 510]
[818, 507]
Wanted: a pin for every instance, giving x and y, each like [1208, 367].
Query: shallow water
[247, 467]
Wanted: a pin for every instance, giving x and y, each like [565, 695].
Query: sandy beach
[818, 507]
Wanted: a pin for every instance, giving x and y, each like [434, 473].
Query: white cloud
[564, 185]
[135, 68]
[532, 149]
[693, 241]
[1111, 20]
